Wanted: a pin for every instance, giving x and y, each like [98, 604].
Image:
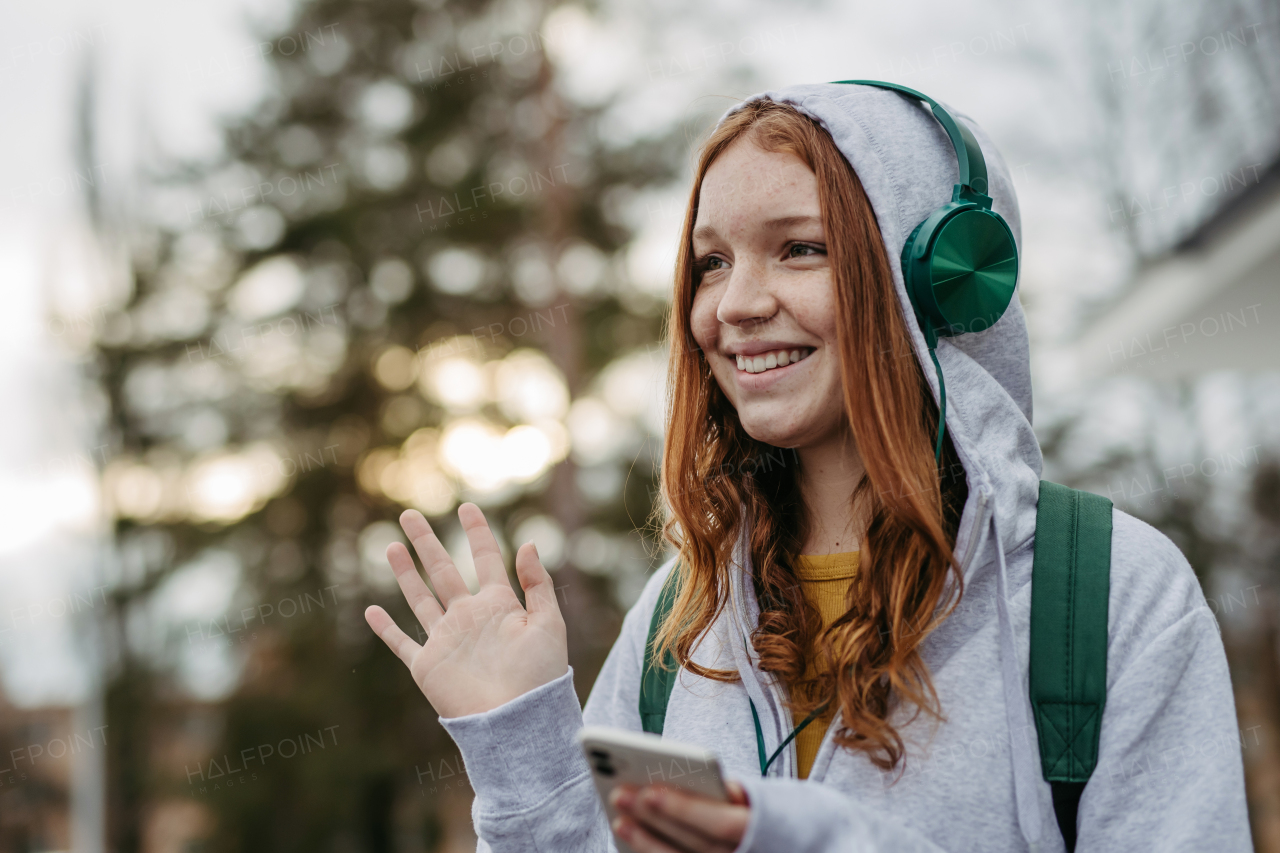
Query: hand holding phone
[699, 812]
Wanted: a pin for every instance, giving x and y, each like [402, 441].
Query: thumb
[539, 590]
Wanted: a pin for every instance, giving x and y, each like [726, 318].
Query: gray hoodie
[1169, 773]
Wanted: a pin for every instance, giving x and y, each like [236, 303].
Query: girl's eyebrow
[708, 232]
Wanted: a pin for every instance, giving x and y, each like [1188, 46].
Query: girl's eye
[703, 264]
[813, 249]
[711, 263]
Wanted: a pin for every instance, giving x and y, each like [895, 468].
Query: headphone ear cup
[905, 257]
[971, 271]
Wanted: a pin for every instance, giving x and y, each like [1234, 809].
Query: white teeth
[759, 364]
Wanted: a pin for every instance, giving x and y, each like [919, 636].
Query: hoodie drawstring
[1025, 767]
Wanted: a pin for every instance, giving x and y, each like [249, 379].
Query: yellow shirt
[825, 580]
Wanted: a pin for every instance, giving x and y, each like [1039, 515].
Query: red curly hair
[709, 472]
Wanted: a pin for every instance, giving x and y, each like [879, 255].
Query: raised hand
[482, 650]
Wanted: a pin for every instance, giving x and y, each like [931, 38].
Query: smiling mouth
[770, 360]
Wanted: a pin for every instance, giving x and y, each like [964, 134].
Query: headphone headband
[973, 168]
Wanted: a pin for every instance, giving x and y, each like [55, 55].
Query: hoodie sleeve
[806, 817]
[533, 787]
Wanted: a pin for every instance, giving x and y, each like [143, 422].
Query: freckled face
[763, 309]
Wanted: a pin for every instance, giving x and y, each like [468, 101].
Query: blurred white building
[1212, 302]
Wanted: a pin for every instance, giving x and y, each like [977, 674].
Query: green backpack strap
[1071, 582]
[655, 681]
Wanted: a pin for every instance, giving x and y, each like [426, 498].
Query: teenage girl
[864, 579]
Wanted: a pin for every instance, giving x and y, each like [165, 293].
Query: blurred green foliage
[384, 115]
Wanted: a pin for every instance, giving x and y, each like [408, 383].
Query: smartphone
[620, 756]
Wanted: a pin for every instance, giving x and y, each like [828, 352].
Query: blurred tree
[341, 318]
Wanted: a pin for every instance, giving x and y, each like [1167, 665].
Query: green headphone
[960, 264]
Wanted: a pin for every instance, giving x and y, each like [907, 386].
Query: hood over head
[907, 166]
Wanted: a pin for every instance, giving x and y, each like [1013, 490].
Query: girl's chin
[789, 422]
[769, 433]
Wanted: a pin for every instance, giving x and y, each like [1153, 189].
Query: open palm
[482, 650]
